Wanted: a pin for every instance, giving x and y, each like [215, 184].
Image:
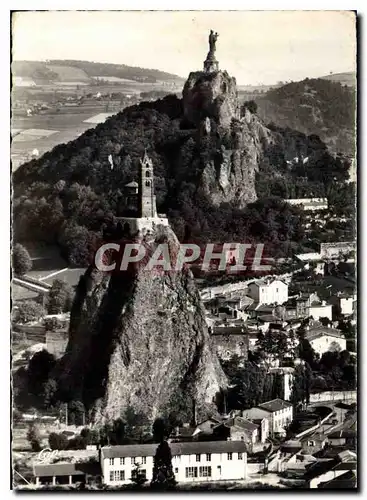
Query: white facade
[225, 460]
[324, 343]
[280, 415]
[270, 292]
[321, 311]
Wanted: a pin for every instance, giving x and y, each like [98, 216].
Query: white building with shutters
[191, 461]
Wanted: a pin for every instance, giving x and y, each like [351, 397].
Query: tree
[301, 384]
[50, 393]
[273, 344]
[58, 441]
[161, 429]
[76, 413]
[39, 368]
[137, 476]
[163, 476]
[59, 297]
[91, 436]
[34, 437]
[22, 262]
[29, 310]
[250, 105]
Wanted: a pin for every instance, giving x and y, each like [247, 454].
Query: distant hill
[84, 71]
[348, 78]
[314, 106]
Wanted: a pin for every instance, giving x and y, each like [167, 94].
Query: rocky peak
[140, 339]
[233, 141]
[210, 94]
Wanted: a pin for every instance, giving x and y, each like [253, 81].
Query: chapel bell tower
[147, 204]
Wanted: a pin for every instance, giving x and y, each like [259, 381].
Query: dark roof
[240, 422]
[186, 431]
[348, 480]
[314, 333]
[191, 448]
[229, 330]
[337, 463]
[274, 405]
[343, 433]
[66, 469]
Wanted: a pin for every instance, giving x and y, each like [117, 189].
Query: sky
[257, 47]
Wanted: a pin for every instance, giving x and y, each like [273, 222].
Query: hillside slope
[314, 106]
[70, 70]
[217, 167]
[348, 78]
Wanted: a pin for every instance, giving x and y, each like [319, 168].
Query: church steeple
[147, 204]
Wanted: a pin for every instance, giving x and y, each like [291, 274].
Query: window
[111, 461]
[229, 456]
[240, 456]
[144, 460]
[111, 475]
[142, 473]
[133, 460]
[176, 470]
[198, 458]
[119, 475]
[208, 457]
[191, 472]
[205, 471]
[122, 461]
[147, 173]
[147, 183]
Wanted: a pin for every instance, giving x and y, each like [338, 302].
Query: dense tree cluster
[22, 262]
[314, 106]
[70, 194]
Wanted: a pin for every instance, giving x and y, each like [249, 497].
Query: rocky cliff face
[235, 140]
[139, 338]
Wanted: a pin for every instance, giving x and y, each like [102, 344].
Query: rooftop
[190, 448]
[66, 469]
[241, 423]
[132, 184]
[314, 333]
[274, 405]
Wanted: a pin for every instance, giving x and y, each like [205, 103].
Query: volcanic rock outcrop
[139, 338]
[235, 138]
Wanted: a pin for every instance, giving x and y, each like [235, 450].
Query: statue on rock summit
[210, 63]
[213, 37]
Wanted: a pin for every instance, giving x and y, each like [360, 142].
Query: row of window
[204, 471]
[119, 475]
[209, 457]
[133, 460]
[143, 460]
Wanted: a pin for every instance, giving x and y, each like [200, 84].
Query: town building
[65, 473]
[344, 303]
[337, 250]
[238, 429]
[268, 291]
[281, 414]
[230, 341]
[322, 472]
[323, 339]
[192, 461]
